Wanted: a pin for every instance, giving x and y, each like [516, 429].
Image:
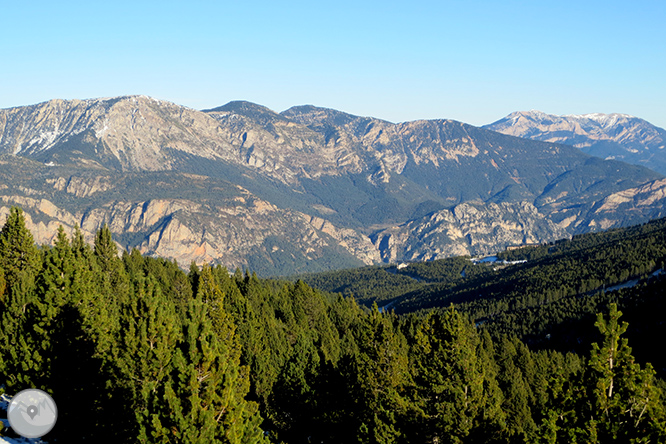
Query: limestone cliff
[472, 228]
[246, 232]
[307, 189]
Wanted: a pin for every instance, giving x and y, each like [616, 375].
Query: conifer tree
[515, 388]
[378, 376]
[19, 257]
[623, 404]
[75, 375]
[111, 291]
[86, 292]
[294, 399]
[21, 357]
[150, 332]
[204, 402]
[453, 388]
[114, 279]
[53, 291]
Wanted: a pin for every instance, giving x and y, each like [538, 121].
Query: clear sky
[473, 61]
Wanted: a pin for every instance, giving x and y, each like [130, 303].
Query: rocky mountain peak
[243, 185]
[251, 110]
[122, 133]
[616, 136]
[313, 115]
[588, 120]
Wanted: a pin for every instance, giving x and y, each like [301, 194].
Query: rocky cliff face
[617, 136]
[305, 190]
[126, 133]
[471, 228]
[242, 232]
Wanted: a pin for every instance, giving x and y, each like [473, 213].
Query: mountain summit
[615, 136]
[307, 189]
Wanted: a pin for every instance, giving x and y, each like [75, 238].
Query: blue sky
[473, 61]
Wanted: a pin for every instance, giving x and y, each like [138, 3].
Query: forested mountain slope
[134, 349]
[538, 293]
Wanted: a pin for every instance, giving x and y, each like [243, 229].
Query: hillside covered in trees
[547, 295]
[134, 349]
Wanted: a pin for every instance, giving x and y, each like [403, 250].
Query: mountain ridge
[620, 136]
[306, 189]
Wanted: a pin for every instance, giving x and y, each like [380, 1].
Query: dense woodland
[546, 295]
[134, 349]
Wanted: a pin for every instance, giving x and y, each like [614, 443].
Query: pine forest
[535, 350]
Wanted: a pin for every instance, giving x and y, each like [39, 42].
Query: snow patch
[604, 120]
[628, 284]
[495, 260]
[486, 260]
[100, 132]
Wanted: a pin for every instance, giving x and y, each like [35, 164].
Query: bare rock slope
[617, 136]
[307, 189]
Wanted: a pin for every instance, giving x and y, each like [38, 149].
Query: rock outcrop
[307, 189]
[471, 228]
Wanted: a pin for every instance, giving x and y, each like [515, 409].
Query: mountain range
[307, 189]
[612, 136]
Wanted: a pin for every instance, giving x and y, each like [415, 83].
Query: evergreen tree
[114, 280]
[516, 390]
[204, 401]
[21, 350]
[454, 392]
[19, 257]
[81, 376]
[378, 377]
[150, 331]
[623, 404]
[111, 292]
[294, 399]
[52, 293]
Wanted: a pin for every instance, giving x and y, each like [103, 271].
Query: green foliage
[451, 271]
[377, 376]
[135, 349]
[19, 258]
[366, 284]
[549, 302]
[455, 392]
[623, 404]
[21, 336]
[613, 399]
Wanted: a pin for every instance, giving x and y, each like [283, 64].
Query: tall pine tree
[623, 405]
[204, 402]
[21, 348]
[455, 392]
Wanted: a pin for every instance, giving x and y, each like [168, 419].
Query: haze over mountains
[303, 190]
[616, 136]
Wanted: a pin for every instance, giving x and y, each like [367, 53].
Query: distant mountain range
[307, 189]
[613, 136]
